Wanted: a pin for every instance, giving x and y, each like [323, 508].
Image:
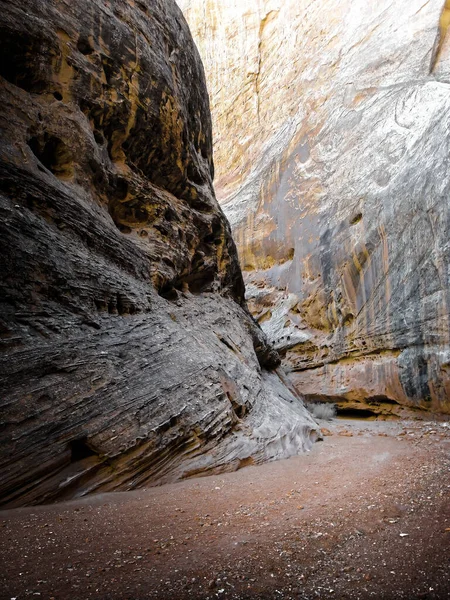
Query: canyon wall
[331, 123]
[127, 354]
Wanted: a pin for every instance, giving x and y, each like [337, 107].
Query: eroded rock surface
[128, 355]
[332, 130]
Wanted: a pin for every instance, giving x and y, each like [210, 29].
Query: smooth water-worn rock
[128, 355]
[332, 151]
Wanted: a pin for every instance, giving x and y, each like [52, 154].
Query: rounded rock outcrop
[127, 354]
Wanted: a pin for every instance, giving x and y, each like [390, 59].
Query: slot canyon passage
[159, 334]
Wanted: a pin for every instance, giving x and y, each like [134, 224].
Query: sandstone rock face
[128, 355]
[332, 128]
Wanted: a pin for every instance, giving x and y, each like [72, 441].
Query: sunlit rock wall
[127, 354]
[332, 148]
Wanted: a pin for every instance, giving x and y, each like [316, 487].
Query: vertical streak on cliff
[262, 26]
[205, 22]
[133, 95]
[444, 23]
[386, 276]
[258, 70]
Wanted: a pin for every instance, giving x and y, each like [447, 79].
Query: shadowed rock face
[333, 166]
[128, 356]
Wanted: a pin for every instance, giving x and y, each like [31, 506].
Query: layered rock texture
[128, 355]
[332, 150]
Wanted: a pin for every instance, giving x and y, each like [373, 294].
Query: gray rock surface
[338, 195]
[127, 354]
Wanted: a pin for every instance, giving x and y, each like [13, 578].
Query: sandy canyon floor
[365, 514]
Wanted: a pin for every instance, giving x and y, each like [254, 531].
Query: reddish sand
[365, 514]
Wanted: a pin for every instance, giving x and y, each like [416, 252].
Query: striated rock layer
[332, 127]
[128, 355]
